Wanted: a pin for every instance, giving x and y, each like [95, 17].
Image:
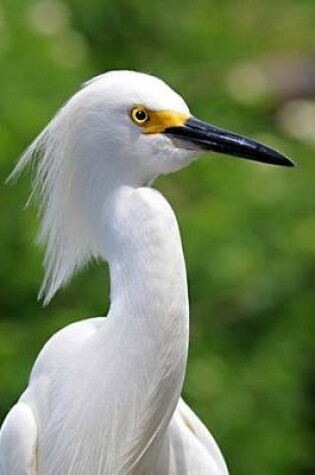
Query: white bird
[104, 393]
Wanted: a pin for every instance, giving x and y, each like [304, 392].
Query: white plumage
[104, 393]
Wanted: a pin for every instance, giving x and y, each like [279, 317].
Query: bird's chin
[171, 155]
[183, 144]
[181, 158]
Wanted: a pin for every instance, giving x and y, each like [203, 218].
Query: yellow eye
[139, 115]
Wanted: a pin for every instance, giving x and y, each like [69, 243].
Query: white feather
[69, 244]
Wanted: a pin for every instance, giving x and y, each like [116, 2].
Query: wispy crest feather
[56, 184]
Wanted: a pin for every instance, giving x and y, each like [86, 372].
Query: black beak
[197, 134]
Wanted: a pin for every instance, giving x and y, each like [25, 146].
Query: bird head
[121, 128]
[135, 127]
[118, 123]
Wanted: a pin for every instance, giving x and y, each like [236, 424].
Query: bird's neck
[149, 302]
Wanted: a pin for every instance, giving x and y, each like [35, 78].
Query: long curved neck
[149, 306]
[143, 247]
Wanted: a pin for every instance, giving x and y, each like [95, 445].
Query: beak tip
[286, 161]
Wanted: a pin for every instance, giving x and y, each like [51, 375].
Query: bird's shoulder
[18, 441]
[63, 345]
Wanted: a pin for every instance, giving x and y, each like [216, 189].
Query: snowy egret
[104, 393]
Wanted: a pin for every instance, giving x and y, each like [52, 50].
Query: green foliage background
[248, 230]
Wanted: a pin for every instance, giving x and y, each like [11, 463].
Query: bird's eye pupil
[141, 115]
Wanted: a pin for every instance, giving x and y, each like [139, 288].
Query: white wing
[18, 442]
[193, 449]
